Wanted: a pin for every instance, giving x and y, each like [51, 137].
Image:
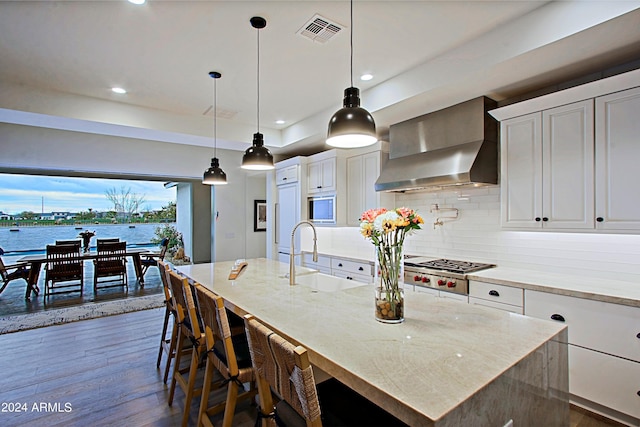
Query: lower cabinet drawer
[496, 293]
[607, 380]
[353, 276]
[498, 305]
[339, 264]
[323, 261]
[606, 327]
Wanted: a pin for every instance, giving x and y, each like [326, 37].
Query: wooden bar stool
[189, 332]
[227, 354]
[167, 345]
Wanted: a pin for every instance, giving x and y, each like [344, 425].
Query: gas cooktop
[442, 264]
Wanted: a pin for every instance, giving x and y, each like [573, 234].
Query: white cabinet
[288, 213]
[346, 268]
[287, 175]
[617, 156]
[604, 348]
[360, 271]
[547, 169]
[362, 172]
[323, 265]
[502, 297]
[321, 176]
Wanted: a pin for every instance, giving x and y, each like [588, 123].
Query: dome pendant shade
[214, 175]
[257, 157]
[352, 126]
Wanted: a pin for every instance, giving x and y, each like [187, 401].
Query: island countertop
[421, 370]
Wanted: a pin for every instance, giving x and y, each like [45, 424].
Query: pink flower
[372, 214]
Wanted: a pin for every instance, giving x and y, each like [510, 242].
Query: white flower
[389, 216]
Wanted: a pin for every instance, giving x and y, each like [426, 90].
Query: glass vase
[389, 284]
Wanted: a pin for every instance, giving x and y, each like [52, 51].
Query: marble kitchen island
[448, 364]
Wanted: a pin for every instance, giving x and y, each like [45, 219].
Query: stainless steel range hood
[456, 146]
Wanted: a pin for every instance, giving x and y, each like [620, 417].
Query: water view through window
[35, 211]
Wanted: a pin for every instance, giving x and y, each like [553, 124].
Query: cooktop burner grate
[451, 265]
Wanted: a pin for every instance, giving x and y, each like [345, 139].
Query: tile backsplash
[476, 235]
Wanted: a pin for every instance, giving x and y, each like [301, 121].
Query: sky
[19, 193]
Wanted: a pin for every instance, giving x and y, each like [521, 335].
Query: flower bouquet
[387, 230]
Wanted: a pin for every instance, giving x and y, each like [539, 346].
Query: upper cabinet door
[521, 171]
[321, 176]
[617, 161]
[568, 169]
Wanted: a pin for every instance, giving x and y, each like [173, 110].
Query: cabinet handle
[319, 186]
[494, 293]
[545, 219]
[538, 219]
[638, 336]
[600, 219]
[349, 278]
[284, 179]
[360, 269]
[340, 265]
[557, 317]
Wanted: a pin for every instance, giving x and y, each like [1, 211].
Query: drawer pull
[340, 265]
[360, 269]
[494, 293]
[558, 317]
[638, 336]
[349, 278]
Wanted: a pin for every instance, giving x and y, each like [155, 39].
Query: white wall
[478, 236]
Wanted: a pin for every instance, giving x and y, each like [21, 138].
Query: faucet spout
[292, 263]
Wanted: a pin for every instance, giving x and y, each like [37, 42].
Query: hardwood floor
[102, 372]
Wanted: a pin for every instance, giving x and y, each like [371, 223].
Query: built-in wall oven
[442, 274]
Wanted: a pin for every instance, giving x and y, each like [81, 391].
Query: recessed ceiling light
[137, 1]
[366, 77]
[280, 122]
[118, 90]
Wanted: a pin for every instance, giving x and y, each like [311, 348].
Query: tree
[125, 201]
[27, 215]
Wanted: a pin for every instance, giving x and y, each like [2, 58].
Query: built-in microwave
[322, 209]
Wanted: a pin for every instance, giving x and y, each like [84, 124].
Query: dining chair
[110, 263]
[64, 269]
[9, 272]
[108, 240]
[190, 336]
[151, 259]
[283, 369]
[69, 242]
[228, 355]
[167, 345]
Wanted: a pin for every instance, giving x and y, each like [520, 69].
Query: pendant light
[352, 126]
[258, 157]
[214, 175]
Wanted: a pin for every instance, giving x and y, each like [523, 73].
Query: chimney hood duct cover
[456, 146]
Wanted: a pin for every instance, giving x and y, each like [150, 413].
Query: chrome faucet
[292, 255]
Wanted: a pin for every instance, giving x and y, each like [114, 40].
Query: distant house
[53, 216]
[5, 216]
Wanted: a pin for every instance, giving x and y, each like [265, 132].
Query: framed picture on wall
[259, 215]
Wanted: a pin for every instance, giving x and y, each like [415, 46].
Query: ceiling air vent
[320, 29]
[221, 113]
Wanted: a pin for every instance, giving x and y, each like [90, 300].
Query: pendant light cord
[258, 82]
[351, 43]
[215, 118]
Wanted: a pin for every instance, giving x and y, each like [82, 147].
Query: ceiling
[60, 59]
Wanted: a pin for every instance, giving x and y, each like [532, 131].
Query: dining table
[36, 262]
[448, 364]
